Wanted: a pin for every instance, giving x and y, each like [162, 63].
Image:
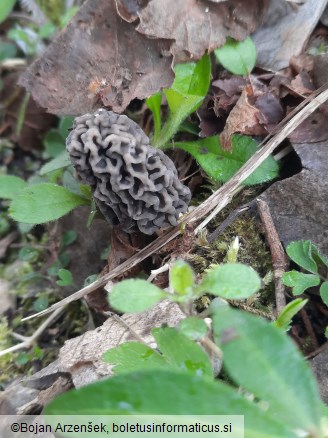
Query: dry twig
[279, 259]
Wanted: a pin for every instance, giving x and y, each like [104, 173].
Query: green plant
[239, 57]
[275, 392]
[306, 255]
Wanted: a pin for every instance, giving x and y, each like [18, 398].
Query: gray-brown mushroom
[134, 184]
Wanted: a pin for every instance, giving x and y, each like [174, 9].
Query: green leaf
[41, 303]
[62, 160]
[239, 57]
[69, 237]
[288, 312]
[317, 256]
[133, 356]
[232, 280]
[193, 327]
[54, 143]
[28, 254]
[300, 281]
[182, 278]
[65, 124]
[43, 203]
[154, 104]
[5, 8]
[185, 96]
[182, 352]
[135, 296]
[66, 278]
[151, 392]
[324, 292]
[7, 50]
[221, 165]
[11, 186]
[301, 253]
[263, 360]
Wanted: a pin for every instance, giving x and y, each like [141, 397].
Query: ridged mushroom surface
[134, 184]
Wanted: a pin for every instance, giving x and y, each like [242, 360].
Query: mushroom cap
[134, 184]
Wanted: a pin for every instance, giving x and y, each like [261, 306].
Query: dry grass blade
[218, 200]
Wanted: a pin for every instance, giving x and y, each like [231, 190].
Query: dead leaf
[271, 111]
[194, 26]
[285, 32]
[98, 47]
[320, 69]
[243, 118]
[82, 356]
[302, 84]
[314, 129]
[6, 242]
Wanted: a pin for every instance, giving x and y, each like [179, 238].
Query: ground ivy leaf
[231, 280]
[41, 203]
[62, 160]
[66, 278]
[181, 277]
[301, 253]
[193, 327]
[324, 292]
[300, 281]
[135, 295]
[264, 361]
[162, 392]
[5, 8]
[182, 352]
[238, 57]
[133, 356]
[11, 186]
[221, 165]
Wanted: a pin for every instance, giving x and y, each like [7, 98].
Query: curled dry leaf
[82, 356]
[243, 118]
[195, 26]
[97, 57]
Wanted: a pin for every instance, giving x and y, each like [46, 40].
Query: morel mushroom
[134, 184]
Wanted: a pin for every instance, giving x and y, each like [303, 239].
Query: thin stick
[279, 259]
[228, 220]
[29, 341]
[309, 328]
[223, 194]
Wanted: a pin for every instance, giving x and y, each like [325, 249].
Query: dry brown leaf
[193, 25]
[82, 356]
[243, 118]
[314, 129]
[97, 57]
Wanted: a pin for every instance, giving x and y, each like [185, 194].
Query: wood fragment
[279, 259]
[269, 144]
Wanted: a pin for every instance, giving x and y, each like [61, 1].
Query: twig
[118, 319]
[294, 119]
[279, 259]
[317, 351]
[228, 220]
[309, 329]
[155, 272]
[27, 342]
